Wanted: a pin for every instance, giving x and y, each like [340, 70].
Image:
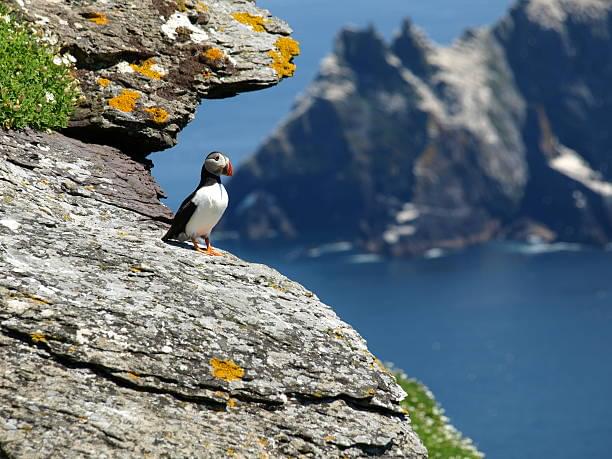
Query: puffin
[202, 209]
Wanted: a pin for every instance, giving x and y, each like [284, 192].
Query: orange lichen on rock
[263, 442]
[104, 82]
[288, 46]
[38, 337]
[232, 403]
[221, 394]
[213, 54]
[97, 18]
[227, 370]
[255, 22]
[158, 114]
[133, 376]
[286, 49]
[146, 69]
[125, 101]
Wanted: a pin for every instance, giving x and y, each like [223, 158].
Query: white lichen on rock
[197, 35]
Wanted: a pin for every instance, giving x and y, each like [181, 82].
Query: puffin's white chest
[211, 202]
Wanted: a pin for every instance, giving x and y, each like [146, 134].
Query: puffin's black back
[182, 217]
[187, 208]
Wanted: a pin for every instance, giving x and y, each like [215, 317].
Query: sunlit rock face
[408, 146]
[115, 342]
[145, 65]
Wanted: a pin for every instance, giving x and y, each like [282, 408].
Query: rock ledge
[114, 342]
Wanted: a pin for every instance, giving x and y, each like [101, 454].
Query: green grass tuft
[36, 87]
[440, 438]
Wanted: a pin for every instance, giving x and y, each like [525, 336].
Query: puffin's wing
[182, 217]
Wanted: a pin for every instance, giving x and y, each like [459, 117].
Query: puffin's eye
[217, 158]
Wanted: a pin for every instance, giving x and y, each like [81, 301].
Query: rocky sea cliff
[114, 342]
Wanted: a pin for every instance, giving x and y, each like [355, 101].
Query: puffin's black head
[218, 164]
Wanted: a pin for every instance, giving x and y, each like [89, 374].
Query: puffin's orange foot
[213, 253]
[197, 247]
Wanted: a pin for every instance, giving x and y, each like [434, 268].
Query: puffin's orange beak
[229, 170]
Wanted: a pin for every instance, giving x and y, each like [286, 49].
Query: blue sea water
[513, 340]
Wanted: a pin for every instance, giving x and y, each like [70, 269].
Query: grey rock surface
[115, 344]
[145, 65]
[414, 146]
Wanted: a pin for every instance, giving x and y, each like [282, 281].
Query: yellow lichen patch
[288, 46]
[329, 438]
[223, 395]
[158, 114]
[104, 82]
[263, 442]
[97, 18]
[201, 7]
[125, 101]
[181, 5]
[135, 377]
[336, 333]
[286, 49]
[227, 370]
[213, 54]
[33, 298]
[146, 69]
[38, 337]
[232, 403]
[231, 452]
[255, 22]
[277, 287]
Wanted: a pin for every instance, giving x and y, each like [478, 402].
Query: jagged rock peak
[144, 65]
[361, 49]
[367, 58]
[412, 47]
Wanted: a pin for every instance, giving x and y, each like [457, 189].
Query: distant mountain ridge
[406, 146]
